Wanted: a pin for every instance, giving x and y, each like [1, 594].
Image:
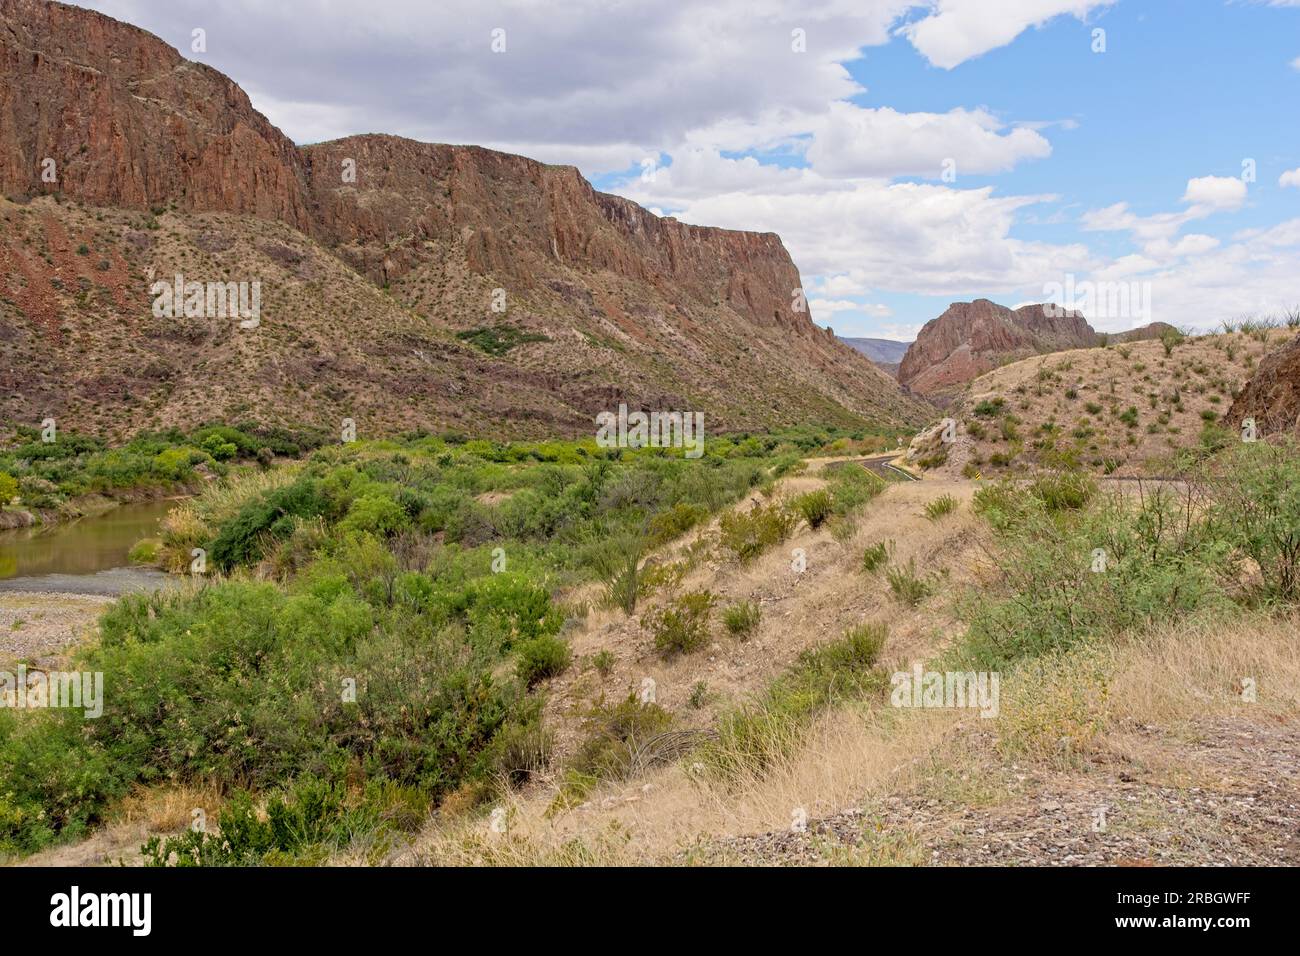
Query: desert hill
[1125, 409]
[971, 338]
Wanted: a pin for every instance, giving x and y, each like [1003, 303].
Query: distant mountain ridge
[971, 338]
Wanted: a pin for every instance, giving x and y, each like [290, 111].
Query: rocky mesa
[120, 160]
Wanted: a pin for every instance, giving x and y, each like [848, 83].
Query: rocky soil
[1226, 793]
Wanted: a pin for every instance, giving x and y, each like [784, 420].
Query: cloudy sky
[910, 154]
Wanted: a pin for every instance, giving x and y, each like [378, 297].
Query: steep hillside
[1272, 396]
[972, 338]
[401, 282]
[1125, 409]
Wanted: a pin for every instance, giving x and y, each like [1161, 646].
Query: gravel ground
[1240, 806]
[40, 627]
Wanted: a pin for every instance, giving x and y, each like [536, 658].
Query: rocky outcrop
[972, 338]
[1272, 396]
[391, 203]
[100, 111]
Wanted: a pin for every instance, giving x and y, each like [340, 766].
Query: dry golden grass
[1201, 669]
[167, 809]
[1051, 716]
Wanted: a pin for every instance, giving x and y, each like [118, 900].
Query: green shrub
[681, 625]
[907, 586]
[603, 661]
[374, 513]
[8, 488]
[542, 657]
[1155, 563]
[814, 507]
[676, 521]
[742, 618]
[747, 534]
[1256, 510]
[242, 540]
[614, 736]
[876, 556]
[499, 340]
[943, 505]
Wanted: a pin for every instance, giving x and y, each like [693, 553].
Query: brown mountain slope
[1272, 396]
[971, 338]
[1126, 409]
[371, 252]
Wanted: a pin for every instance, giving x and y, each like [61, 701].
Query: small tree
[1169, 338]
[1257, 506]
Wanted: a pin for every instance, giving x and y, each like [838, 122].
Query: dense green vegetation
[1075, 565]
[47, 475]
[370, 634]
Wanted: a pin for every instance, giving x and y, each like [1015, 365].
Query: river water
[88, 556]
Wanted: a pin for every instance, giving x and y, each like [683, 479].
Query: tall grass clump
[754, 736]
[742, 618]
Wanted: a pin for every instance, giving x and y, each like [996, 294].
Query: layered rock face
[493, 267]
[126, 121]
[1272, 396]
[972, 338]
[385, 199]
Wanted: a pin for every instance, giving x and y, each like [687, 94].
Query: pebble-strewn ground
[1227, 795]
[39, 628]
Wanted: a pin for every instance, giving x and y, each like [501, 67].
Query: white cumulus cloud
[958, 30]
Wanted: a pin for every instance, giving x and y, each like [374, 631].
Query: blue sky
[1184, 89]
[830, 122]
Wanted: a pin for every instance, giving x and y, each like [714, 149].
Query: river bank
[89, 506]
[41, 628]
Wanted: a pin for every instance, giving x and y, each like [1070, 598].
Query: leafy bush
[8, 488]
[1257, 511]
[747, 534]
[1155, 562]
[542, 657]
[242, 540]
[675, 522]
[681, 625]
